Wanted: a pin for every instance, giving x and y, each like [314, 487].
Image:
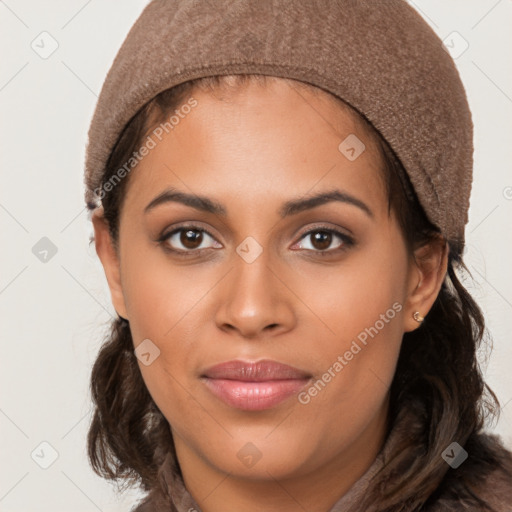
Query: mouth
[254, 386]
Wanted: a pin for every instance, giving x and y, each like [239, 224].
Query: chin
[259, 460]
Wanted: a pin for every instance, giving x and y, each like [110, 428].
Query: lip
[254, 386]
[257, 371]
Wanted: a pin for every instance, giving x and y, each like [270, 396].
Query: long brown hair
[438, 389]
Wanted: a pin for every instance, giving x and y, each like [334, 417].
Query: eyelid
[191, 224]
[345, 232]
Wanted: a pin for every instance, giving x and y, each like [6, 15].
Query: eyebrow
[292, 207]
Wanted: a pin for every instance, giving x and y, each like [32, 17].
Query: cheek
[352, 296]
[358, 339]
[164, 302]
[161, 295]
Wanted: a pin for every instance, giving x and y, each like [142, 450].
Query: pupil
[191, 239]
[321, 240]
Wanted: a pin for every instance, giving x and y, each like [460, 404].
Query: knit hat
[378, 56]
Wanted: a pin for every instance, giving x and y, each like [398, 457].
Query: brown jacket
[453, 494]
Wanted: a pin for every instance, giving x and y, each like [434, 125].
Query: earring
[418, 317]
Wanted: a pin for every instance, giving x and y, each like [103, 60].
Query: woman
[279, 193]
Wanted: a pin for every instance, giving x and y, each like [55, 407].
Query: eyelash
[346, 240]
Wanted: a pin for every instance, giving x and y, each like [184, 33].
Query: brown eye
[188, 239]
[325, 241]
[191, 239]
[321, 240]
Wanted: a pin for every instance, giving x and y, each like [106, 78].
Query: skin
[252, 149]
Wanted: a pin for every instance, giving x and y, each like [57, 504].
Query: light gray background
[53, 314]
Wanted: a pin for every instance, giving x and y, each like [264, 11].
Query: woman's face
[319, 285]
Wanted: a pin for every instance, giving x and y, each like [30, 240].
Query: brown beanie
[379, 56]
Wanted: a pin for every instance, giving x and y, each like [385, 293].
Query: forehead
[270, 90]
[267, 139]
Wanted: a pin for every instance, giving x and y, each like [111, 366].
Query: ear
[427, 272]
[109, 259]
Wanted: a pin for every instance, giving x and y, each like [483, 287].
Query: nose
[255, 301]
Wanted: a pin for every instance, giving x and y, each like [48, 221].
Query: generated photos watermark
[304, 397]
[150, 143]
